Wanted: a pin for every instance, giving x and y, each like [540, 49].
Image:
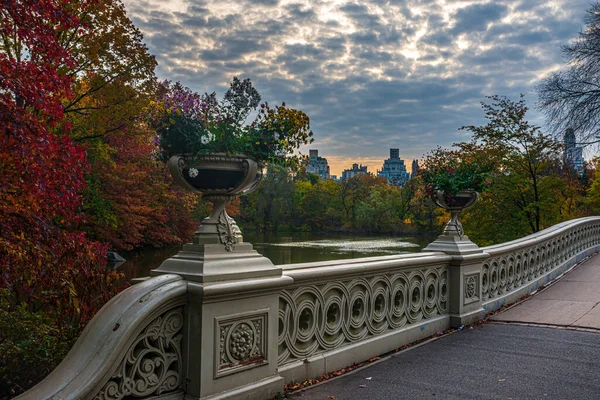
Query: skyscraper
[394, 169]
[415, 168]
[573, 155]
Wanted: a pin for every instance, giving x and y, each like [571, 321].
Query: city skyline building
[394, 169]
[414, 169]
[318, 165]
[573, 154]
[356, 170]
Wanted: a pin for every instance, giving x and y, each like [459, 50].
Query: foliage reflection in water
[289, 248]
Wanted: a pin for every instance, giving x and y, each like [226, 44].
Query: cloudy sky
[371, 75]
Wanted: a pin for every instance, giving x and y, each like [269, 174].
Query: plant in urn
[211, 149]
[453, 178]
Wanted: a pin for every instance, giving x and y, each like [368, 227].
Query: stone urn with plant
[215, 149]
[453, 180]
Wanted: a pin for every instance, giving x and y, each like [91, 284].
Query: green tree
[377, 213]
[523, 195]
[320, 206]
[352, 192]
[272, 205]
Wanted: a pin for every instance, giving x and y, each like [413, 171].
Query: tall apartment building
[573, 155]
[394, 169]
[317, 165]
[356, 170]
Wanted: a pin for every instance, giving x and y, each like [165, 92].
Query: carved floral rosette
[152, 364]
[242, 342]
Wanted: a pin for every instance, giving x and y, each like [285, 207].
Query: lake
[289, 248]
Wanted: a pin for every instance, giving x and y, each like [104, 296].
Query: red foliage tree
[45, 262]
[142, 207]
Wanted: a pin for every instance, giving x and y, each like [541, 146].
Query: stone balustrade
[516, 268]
[218, 323]
[363, 306]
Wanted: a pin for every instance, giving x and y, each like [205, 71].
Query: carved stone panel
[471, 288]
[152, 364]
[242, 342]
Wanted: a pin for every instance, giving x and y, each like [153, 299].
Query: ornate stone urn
[216, 175]
[219, 178]
[453, 238]
[217, 246]
[455, 204]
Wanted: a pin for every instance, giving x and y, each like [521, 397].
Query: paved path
[497, 361]
[572, 301]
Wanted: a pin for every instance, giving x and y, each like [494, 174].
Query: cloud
[477, 17]
[370, 74]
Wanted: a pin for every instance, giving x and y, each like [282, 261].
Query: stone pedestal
[218, 253]
[231, 316]
[231, 341]
[212, 263]
[465, 304]
[453, 244]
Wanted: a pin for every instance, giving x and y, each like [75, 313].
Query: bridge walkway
[547, 347]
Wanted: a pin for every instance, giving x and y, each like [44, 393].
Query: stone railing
[221, 322]
[364, 306]
[519, 267]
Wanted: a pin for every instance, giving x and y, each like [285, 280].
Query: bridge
[545, 346]
[219, 321]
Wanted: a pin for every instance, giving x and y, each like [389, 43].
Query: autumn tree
[522, 196]
[424, 215]
[570, 98]
[113, 72]
[49, 268]
[135, 203]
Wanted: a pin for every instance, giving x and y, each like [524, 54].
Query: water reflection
[306, 247]
[140, 263]
[289, 248]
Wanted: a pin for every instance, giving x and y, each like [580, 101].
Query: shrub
[31, 346]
